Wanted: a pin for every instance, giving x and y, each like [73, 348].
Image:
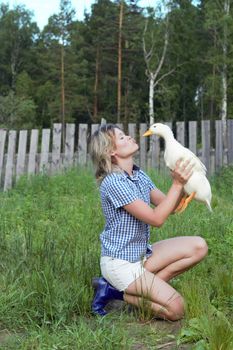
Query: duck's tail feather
[209, 206]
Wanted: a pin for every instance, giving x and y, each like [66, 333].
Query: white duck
[197, 187]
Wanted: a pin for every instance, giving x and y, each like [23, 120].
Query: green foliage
[191, 84]
[209, 332]
[82, 334]
[49, 242]
[17, 111]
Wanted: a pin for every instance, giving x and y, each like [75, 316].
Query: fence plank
[180, 132]
[230, 141]
[56, 149]
[218, 145]
[94, 127]
[162, 165]
[82, 144]
[33, 152]
[69, 145]
[44, 158]
[155, 151]
[10, 160]
[169, 124]
[103, 121]
[193, 136]
[132, 130]
[2, 149]
[120, 125]
[21, 156]
[143, 145]
[205, 132]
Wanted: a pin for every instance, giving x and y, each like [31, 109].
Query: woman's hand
[182, 172]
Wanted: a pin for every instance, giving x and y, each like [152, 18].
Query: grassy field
[49, 245]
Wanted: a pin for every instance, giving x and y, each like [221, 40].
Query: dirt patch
[168, 330]
[4, 336]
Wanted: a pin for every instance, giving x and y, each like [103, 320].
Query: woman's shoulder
[143, 174]
[112, 178]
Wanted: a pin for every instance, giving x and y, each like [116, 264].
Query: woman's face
[126, 146]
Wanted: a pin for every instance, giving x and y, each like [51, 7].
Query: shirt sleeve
[120, 192]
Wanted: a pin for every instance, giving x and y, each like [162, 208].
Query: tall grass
[49, 244]
[49, 239]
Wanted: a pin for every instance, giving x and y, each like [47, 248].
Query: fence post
[155, 151]
[44, 157]
[143, 144]
[21, 156]
[2, 149]
[33, 152]
[180, 132]
[10, 160]
[193, 136]
[82, 144]
[69, 145]
[205, 130]
[132, 130]
[230, 141]
[94, 127]
[218, 144]
[56, 150]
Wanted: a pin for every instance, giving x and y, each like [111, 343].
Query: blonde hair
[102, 144]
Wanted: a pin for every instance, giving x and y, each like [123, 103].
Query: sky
[43, 9]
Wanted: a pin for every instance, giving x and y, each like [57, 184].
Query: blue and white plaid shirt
[124, 236]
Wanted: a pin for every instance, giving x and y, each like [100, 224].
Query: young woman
[132, 268]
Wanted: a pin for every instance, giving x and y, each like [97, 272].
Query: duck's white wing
[198, 165]
[175, 151]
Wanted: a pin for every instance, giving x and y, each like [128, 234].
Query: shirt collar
[135, 174]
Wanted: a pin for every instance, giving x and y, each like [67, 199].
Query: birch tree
[153, 31]
[226, 12]
[219, 24]
[119, 78]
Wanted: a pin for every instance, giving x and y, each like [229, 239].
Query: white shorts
[120, 273]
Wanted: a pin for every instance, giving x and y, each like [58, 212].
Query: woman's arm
[165, 204]
[156, 196]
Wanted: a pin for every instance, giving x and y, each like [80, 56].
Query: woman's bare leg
[164, 300]
[173, 256]
[170, 258]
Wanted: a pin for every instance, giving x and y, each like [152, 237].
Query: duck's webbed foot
[180, 205]
[184, 203]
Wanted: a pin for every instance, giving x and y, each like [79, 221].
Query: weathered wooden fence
[38, 151]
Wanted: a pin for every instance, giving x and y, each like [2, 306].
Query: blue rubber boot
[104, 293]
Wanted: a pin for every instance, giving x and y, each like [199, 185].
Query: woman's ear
[113, 159]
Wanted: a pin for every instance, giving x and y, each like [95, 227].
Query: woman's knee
[176, 308]
[200, 248]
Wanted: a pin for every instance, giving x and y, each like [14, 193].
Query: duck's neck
[168, 138]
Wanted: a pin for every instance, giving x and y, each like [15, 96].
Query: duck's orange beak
[148, 133]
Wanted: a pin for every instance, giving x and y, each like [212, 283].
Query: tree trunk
[153, 73]
[151, 97]
[224, 72]
[212, 99]
[14, 62]
[95, 107]
[119, 63]
[62, 96]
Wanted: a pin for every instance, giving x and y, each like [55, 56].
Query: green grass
[49, 244]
